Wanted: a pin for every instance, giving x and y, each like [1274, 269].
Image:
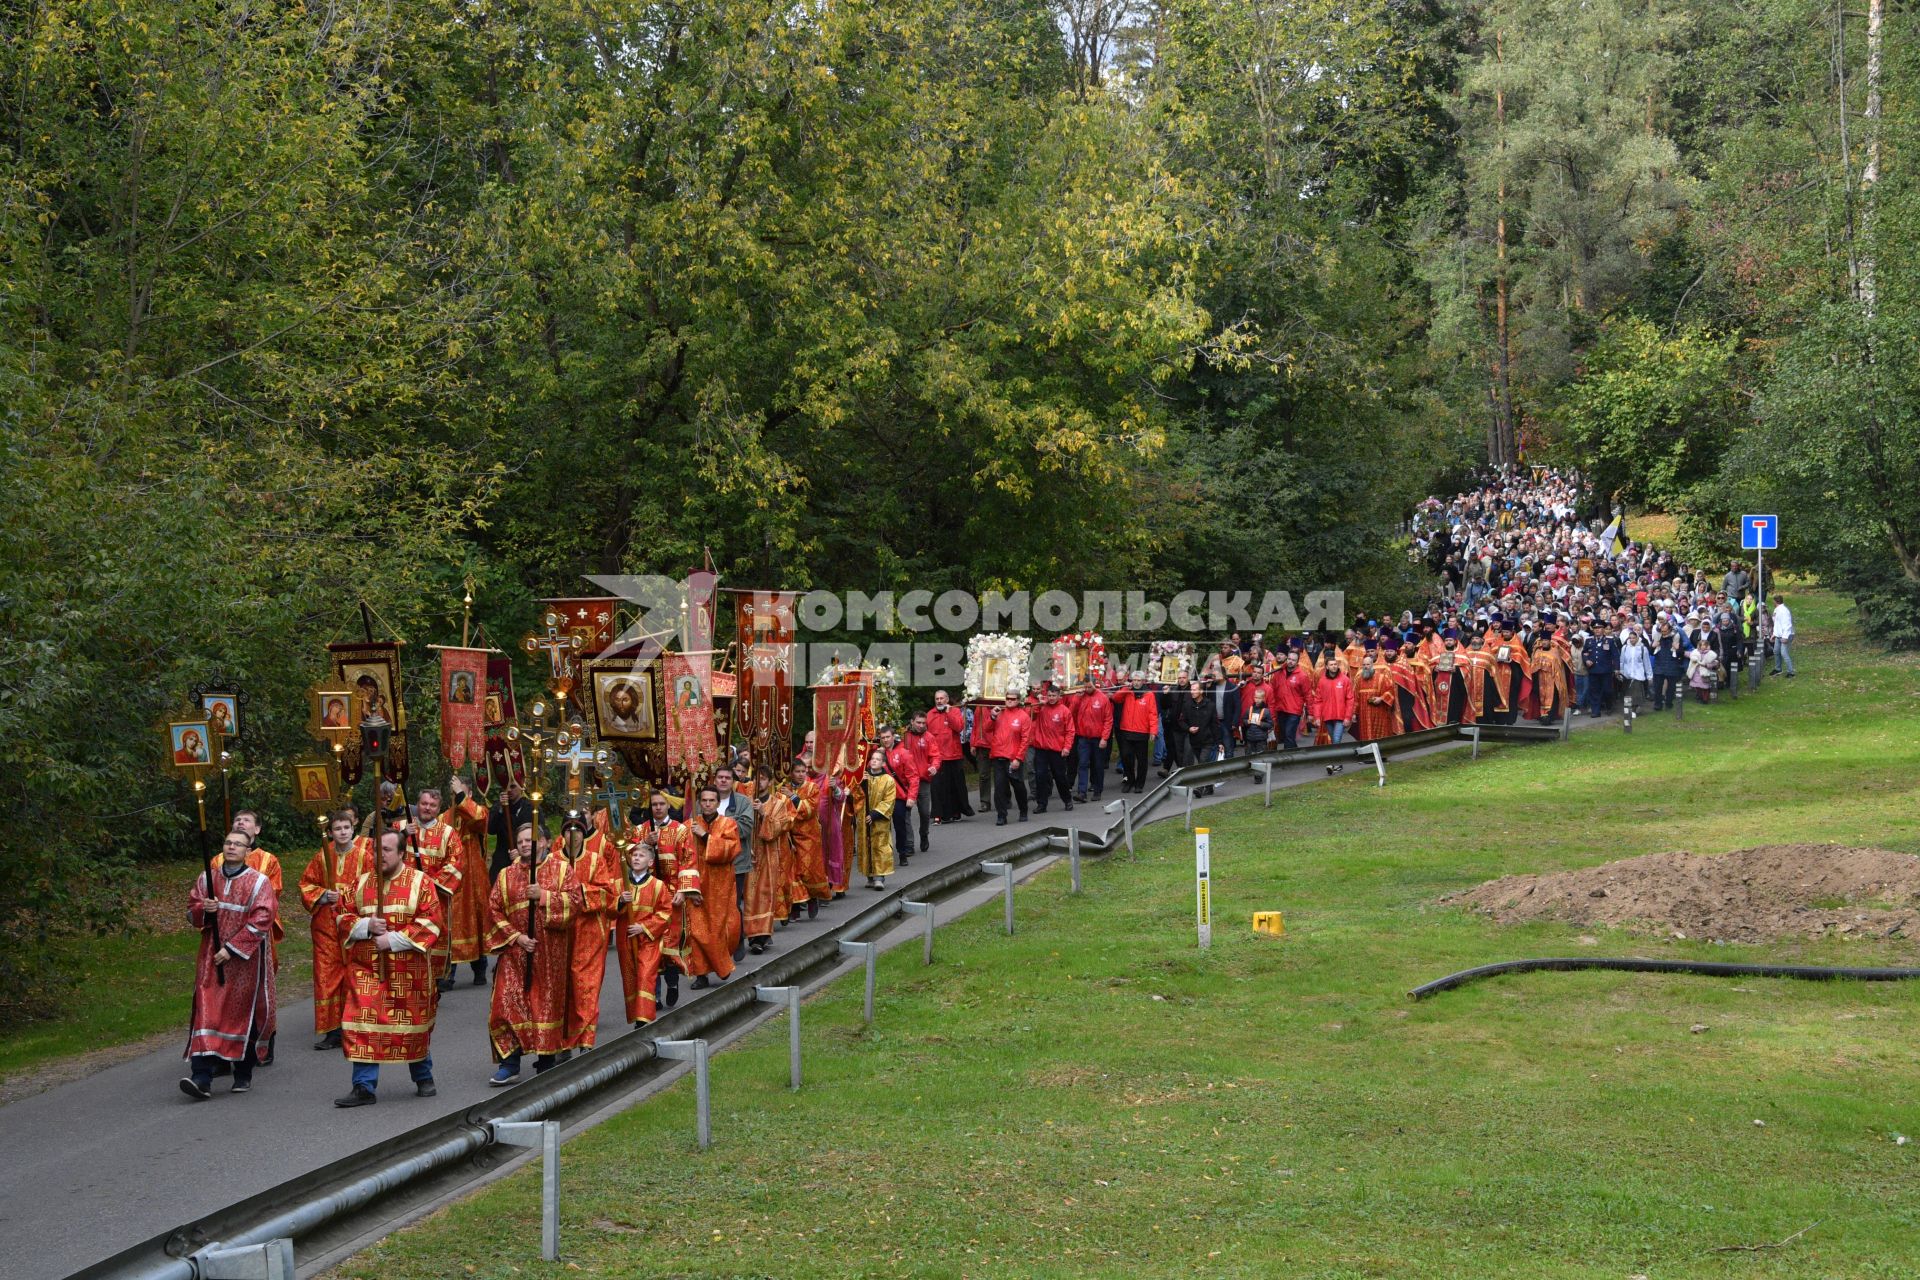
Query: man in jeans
[1782, 637]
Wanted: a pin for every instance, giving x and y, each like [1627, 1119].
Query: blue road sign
[1759, 533]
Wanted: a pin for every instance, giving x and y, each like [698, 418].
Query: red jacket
[1336, 699]
[1053, 728]
[1012, 733]
[944, 729]
[906, 771]
[1093, 715]
[921, 744]
[1138, 712]
[1287, 691]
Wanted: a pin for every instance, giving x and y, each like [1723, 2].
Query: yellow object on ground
[1269, 922]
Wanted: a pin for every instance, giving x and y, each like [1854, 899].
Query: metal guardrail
[297, 1208]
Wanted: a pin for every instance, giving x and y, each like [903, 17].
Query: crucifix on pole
[559, 644]
[576, 754]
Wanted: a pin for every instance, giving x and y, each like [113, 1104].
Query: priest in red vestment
[233, 996]
[467, 925]
[340, 863]
[437, 849]
[389, 928]
[1376, 699]
[530, 929]
[594, 885]
[714, 920]
[809, 855]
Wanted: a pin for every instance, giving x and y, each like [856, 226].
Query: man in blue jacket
[1602, 655]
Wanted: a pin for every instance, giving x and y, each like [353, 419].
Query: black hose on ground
[1711, 968]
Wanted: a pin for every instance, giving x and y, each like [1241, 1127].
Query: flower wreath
[986, 648]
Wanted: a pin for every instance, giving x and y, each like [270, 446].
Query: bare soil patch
[1751, 895]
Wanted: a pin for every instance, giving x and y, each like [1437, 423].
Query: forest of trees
[311, 303]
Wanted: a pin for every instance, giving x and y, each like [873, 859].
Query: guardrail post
[1265, 769]
[1005, 871]
[270, 1261]
[1126, 822]
[1188, 793]
[1073, 855]
[871, 952]
[790, 997]
[922, 909]
[1379, 762]
[1476, 742]
[694, 1051]
[544, 1134]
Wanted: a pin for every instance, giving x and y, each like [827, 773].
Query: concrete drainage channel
[339, 1208]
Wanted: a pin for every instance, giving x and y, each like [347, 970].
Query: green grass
[1096, 1097]
[135, 985]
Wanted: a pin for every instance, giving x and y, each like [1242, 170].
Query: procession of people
[1539, 612]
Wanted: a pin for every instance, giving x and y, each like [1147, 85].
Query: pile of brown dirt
[1752, 895]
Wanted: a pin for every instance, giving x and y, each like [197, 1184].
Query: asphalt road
[100, 1164]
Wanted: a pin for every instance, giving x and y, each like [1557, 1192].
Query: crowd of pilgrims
[687, 886]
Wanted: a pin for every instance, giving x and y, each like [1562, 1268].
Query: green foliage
[1650, 415]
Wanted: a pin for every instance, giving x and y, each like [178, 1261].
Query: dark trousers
[1052, 771]
[203, 1066]
[1007, 776]
[902, 828]
[923, 805]
[1133, 758]
[1290, 730]
[1599, 692]
[1093, 761]
[1665, 689]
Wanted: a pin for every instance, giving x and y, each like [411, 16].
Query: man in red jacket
[1012, 735]
[1136, 712]
[1092, 740]
[1335, 705]
[945, 724]
[1287, 691]
[908, 775]
[1053, 751]
[920, 742]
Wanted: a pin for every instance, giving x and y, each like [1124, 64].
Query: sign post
[1760, 534]
[1202, 876]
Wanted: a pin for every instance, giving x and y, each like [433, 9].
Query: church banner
[463, 683]
[764, 710]
[836, 726]
[689, 696]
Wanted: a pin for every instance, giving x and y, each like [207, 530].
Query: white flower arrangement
[1178, 653]
[997, 666]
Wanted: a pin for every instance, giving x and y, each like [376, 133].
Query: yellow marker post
[1202, 875]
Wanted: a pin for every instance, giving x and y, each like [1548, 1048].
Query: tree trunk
[1876, 17]
[1503, 450]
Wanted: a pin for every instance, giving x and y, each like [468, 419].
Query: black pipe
[1711, 968]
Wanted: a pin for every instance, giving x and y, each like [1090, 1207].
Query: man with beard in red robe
[714, 921]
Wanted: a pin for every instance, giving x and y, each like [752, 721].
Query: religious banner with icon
[463, 682]
[836, 726]
[689, 712]
[371, 672]
[591, 619]
[764, 705]
[497, 709]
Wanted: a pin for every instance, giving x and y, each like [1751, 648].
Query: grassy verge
[1094, 1097]
[133, 986]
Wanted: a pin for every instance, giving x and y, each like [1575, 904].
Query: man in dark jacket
[1602, 655]
[1195, 728]
[1732, 648]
